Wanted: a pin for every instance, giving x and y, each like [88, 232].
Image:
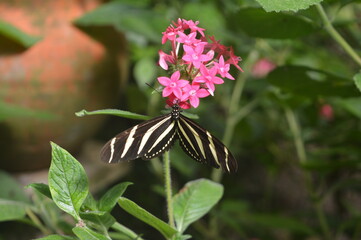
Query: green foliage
[13, 201]
[115, 112]
[194, 201]
[68, 183]
[14, 34]
[143, 215]
[139, 24]
[255, 22]
[311, 83]
[357, 79]
[11, 111]
[289, 5]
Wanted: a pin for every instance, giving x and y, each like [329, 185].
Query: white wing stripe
[212, 147]
[129, 141]
[226, 152]
[196, 136]
[160, 138]
[149, 132]
[112, 149]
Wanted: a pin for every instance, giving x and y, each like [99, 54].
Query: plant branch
[336, 36]
[168, 188]
[301, 154]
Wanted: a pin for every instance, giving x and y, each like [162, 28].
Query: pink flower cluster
[195, 65]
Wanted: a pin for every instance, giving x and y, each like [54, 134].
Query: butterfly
[153, 137]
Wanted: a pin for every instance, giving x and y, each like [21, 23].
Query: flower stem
[336, 36]
[301, 154]
[168, 188]
[296, 132]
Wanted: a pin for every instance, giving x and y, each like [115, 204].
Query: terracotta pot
[63, 73]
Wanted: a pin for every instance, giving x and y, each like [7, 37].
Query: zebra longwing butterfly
[152, 138]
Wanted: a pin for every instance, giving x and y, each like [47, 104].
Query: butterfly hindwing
[199, 144]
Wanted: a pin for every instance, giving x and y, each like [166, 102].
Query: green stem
[301, 154]
[168, 188]
[36, 221]
[296, 132]
[336, 36]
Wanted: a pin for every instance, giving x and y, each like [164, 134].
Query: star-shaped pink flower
[193, 93]
[195, 54]
[209, 78]
[172, 85]
[222, 68]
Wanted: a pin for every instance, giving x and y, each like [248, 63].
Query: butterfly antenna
[156, 90]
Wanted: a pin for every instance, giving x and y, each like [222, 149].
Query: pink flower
[201, 59]
[187, 39]
[193, 26]
[194, 55]
[193, 93]
[169, 34]
[262, 67]
[223, 68]
[209, 78]
[216, 46]
[233, 59]
[164, 58]
[326, 112]
[172, 85]
[174, 100]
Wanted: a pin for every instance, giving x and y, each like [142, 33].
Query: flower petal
[165, 81]
[167, 91]
[194, 101]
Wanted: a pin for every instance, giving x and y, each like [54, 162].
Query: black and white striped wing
[199, 144]
[146, 140]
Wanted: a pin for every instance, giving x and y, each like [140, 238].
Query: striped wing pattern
[200, 145]
[152, 138]
[147, 140]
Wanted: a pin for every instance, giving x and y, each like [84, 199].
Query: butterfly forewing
[137, 141]
[206, 147]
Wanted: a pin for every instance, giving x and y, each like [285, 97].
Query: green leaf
[139, 24]
[13, 200]
[84, 233]
[273, 221]
[10, 189]
[11, 210]
[357, 80]
[14, 34]
[9, 111]
[143, 215]
[110, 198]
[41, 188]
[90, 203]
[115, 112]
[68, 182]
[353, 105]
[57, 237]
[125, 231]
[194, 201]
[255, 22]
[215, 25]
[145, 72]
[311, 83]
[100, 218]
[289, 5]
